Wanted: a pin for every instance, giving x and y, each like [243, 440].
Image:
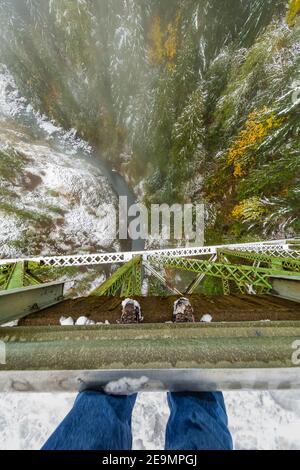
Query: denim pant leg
[96, 422]
[198, 421]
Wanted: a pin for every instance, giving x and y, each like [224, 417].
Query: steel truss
[278, 257]
[16, 276]
[245, 277]
[272, 247]
[282, 260]
[127, 280]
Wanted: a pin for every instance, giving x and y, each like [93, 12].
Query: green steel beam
[16, 276]
[225, 282]
[3, 279]
[31, 280]
[243, 276]
[18, 303]
[158, 346]
[198, 279]
[15, 279]
[282, 262]
[127, 280]
[226, 286]
[286, 287]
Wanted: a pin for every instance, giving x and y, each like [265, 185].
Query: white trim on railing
[274, 247]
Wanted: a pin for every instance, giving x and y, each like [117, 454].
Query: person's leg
[96, 422]
[198, 421]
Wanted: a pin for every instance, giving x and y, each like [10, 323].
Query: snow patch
[10, 324]
[11, 103]
[257, 419]
[66, 321]
[70, 193]
[82, 321]
[125, 386]
[206, 318]
[11, 229]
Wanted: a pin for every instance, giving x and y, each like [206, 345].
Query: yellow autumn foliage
[171, 41]
[237, 211]
[256, 129]
[293, 11]
[156, 51]
[163, 44]
[249, 210]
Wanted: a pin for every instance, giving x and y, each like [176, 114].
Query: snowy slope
[53, 198]
[258, 420]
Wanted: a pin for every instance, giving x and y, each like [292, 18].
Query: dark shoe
[131, 312]
[183, 311]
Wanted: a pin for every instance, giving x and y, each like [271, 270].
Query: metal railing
[273, 247]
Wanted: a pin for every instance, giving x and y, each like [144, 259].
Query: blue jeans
[198, 421]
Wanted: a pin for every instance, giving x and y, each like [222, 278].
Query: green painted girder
[151, 346]
[3, 268]
[242, 275]
[30, 279]
[16, 276]
[19, 303]
[284, 262]
[127, 280]
[3, 278]
[226, 286]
